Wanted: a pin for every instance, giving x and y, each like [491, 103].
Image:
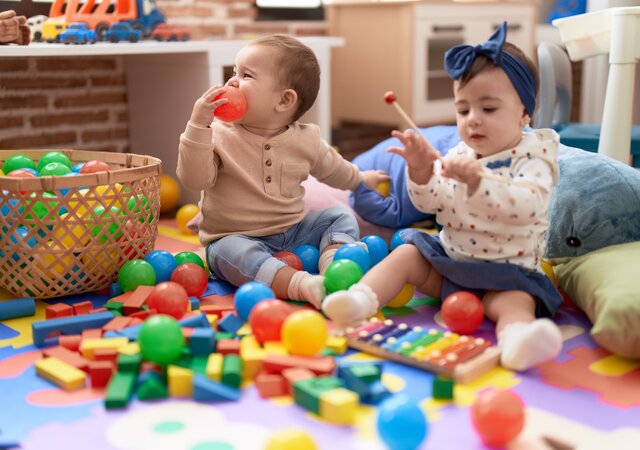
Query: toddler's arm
[418, 154]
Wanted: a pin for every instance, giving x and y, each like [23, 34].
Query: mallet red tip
[390, 97]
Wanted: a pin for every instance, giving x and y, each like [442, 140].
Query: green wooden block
[224, 335]
[442, 388]
[368, 373]
[231, 371]
[129, 363]
[199, 364]
[114, 306]
[119, 390]
[306, 393]
[151, 387]
[328, 352]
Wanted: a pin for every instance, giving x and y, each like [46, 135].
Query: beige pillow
[605, 284]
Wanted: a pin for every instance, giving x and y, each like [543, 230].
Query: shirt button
[268, 163]
[267, 147]
[268, 179]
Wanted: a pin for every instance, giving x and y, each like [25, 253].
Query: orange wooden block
[100, 373]
[323, 365]
[70, 341]
[135, 321]
[187, 332]
[270, 385]
[70, 357]
[218, 300]
[295, 374]
[228, 346]
[106, 354]
[98, 310]
[58, 310]
[216, 310]
[117, 323]
[135, 301]
[143, 314]
[92, 333]
[148, 366]
[82, 308]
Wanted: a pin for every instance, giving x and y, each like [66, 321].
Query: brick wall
[81, 103]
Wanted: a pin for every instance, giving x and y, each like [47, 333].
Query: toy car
[52, 28]
[78, 33]
[35, 26]
[169, 32]
[122, 31]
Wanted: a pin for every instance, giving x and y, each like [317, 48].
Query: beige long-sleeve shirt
[250, 184]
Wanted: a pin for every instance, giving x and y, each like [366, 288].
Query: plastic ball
[401, 423]
[1, 173]
[377, 247]
[18, 161]
[304, 333]
[161, 339]
[132, 240]
[462, 312]
[136, 273]
[21, 173]
[73, 235]
[169, 298]
[114, 217]
[309, 257]
[163, 264]
[95, 166]
[356, 253]
[384, 188]
[21, 237]
[291, 439]
[139, 205]
[184, 215]
[291, 259]
[76, 168]
[234, 109]
[192, 277]
[41, 209]
[189, 257]
[248, 296]
[404, 297]
[548, 270]
[266, 319]
[396, 239]
[498, 417]
[169, 193]
[50, 157]
[341, 274]
[56, 169]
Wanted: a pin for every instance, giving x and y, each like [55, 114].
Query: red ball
[233, 110]
[94, 166]
[267, 317]
[390, 97]
[132, 240]
[291, 259]
[462, 312]
[21, 173]
[192, 277]
[498, 417]
[169, 298]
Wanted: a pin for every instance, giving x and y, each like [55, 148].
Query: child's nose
[233, 82]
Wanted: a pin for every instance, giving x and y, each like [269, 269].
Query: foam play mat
[586, 398]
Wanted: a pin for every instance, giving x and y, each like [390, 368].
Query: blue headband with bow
[458, 60]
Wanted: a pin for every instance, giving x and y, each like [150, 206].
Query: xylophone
[462, 358]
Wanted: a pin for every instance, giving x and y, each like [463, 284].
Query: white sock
[326, 258]
[307, 287]
[525, 345]
[352, 306]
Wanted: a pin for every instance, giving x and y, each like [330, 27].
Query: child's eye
[246, 75]
[489, 110]
[463, 112]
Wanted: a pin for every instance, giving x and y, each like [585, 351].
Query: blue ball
[19, 236]
[356, 253]
[396, 240]
[163, 263]
[33, 171]
[402, 424]
[77, 167]
[377, 247]
[11, 204]
[249, 295]
[309, 256]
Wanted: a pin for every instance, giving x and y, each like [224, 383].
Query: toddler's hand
[464, 169]
[203, 109]
[372, 178]
[418, 154]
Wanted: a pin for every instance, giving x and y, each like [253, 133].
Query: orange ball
[498, 417]
[184, 215]
[169, 193]
[304, 333]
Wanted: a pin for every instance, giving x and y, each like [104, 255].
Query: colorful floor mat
[585, 396]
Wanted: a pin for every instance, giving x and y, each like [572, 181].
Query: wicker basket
[68, 235]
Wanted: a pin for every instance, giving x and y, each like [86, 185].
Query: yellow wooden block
[88, 347]
[252, 355]
[132, 348]
[338, 344]
[180, 381]
[339, 406]
[61, 374]
[244, 330]
[213, 320]
[275, 348]
[214, 366]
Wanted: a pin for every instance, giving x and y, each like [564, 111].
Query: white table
[165, 78]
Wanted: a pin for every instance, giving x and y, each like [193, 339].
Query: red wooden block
[143, 314]
[295, 374]
[70, 341]
[82, 308]
[138, 298]
[187, 332]
[58, 310]
[135, 321]
[117, 323]
[218, 300]
[215, 310]
[106, 354]
[270, 385]
[92, 333]
[323, 365]
[98, 310]
[228, 346]
[100, 373]
[148, 366]
[70, 357]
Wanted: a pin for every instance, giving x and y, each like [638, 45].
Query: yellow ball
[1, 173]
[184, 215]
[383, 188]
[169, 193]
[291, 439]
[54, 261]
[548, 269]
[404, 297]
[109, 192]
[304, 333]
[74, 235]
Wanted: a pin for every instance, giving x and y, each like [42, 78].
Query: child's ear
[525, 119]
[288, 100]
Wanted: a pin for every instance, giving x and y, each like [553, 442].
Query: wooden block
[202, 341]
[231, 371]
[228, 346]
[306, 393]
[339, 406]
[213, 320]
[151, 387]
[208, 390]
[19, 307]
[214, 366]
[180, 381]
[100, 372]
[61, 374]
[274, 348]
[106, 354]
[270, 385]
[134, 302]
[82, 308]
[120, 390]
[295, 374]
[218, 300]
[92, 333]
[323, 365]
[230, 323]
[89, 346]
[252, 355]
[338, 344]
[67, 325]
[117, 323]
[132, 348]
[143, 314]
[70, 357]
[58, 310]
[70, 341]
[98, 310]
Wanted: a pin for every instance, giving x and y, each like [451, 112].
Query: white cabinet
[401, 46]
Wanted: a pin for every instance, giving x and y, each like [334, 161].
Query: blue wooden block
[377, 393]
[230, 323]
[68, 325]
[207, 390]
[115, 290]
[195, 303]
[202, 341]
[199, 321]
[20, 307]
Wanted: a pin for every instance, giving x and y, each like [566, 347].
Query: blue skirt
[480, 277]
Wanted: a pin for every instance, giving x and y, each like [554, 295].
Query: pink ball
[169, 298]
[462, 312]
[94, 166]
[192, 277]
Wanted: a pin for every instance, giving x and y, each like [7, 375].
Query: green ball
[56, 169]
[134, 273]
[41, 208]
[341, 274]
[113, 229]
[18, 161]
[189, 257]
[161, 340]
[50, 157]
[134, 203]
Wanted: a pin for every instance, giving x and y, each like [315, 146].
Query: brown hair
[299, 69]
[482, 63]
